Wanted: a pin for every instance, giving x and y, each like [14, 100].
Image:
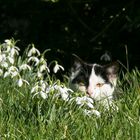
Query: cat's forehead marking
[94, 78]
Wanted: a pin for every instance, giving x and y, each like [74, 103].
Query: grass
[48, 115]
[25, 117]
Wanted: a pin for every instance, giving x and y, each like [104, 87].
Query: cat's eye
[99, 84]
[81, 84]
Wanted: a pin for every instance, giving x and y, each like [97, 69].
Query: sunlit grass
[27, 114]
[24, 117]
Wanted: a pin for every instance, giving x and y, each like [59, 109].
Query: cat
[96, 80]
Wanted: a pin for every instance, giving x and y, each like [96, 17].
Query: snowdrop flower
[91, 112]
[4, 64]
[63, 91]
[21, 81]
[43, 84]
[42, 60]
[8, 42]
[43, 67]
[35, 59]
[57, 67]
[35, 89]
[41, 89]
[6, 46]
[14, 50]
[10, 48]
[33, 51]
[39, 74]
[25, 67]
[12, 71]
[3, 61]
[49, 89]
[6, 74]
[11, 59]
[85, 101]
[2, 57]
[43, 94]
[64, 94]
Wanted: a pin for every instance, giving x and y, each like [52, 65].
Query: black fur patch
[84, 70]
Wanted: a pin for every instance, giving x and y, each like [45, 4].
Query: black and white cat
[98, 81]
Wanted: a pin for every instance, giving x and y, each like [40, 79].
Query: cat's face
[98, 81]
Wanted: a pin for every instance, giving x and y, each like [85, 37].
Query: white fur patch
[99, 93]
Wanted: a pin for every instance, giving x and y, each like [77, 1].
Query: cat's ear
[77, 62]
[112, 70]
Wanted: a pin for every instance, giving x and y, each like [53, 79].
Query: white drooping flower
[2, 57]
[35, 89]
[40, 89]
[43, 68]
[14, 51]
[49, 89]
[57, 67]
[6, 74]
[11, 59]
[39, 74]
[43, 65]
[43, 84]
[21, 81]
[64, 92]
[3, 61]
[35, 59]
[25, 67]
[8, 41]
[12, 71]
[43, 94]
[85, 101]
[33, 51]
[10, 48]
[4, 64]
[91, 112]
[6, 46]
